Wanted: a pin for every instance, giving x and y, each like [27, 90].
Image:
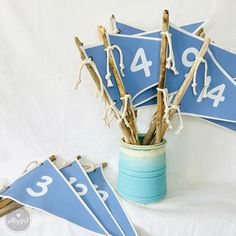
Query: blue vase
[142, 172]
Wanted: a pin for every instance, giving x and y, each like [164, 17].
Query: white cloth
[41, 113]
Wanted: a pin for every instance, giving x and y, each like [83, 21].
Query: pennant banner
[221, 90]
[225, 58]
[130, 30]
[98, 55]
[45, 188]
[141, 56]
[111, 200]
[80, 181]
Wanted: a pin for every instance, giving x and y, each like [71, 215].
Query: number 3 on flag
[145, 64]
[42, 185]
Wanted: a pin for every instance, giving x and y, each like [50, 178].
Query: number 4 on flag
[145, 64]
[212, 93]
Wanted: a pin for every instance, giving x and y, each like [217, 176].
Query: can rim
[143, 147]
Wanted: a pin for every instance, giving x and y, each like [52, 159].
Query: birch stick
[125, 131]
[162, 77]
[178, 97]
[120, 86]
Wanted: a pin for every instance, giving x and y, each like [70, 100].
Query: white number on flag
[83, 188]
[212, 93]
[104, 195]
[42, 185]
[186, 62]
[144, 65]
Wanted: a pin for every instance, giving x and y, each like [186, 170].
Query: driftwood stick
[114, 28]
[125, 131]
[151, 132]
[162, 77]
[120, 86]
[5, 202]
[152, 128]
[9, 208]
[178, 97]
[201, 30]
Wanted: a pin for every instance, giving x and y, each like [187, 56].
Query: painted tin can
[142, 172]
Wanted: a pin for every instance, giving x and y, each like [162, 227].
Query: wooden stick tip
[166, 12]
[53, 157]
[104, 164]
[78, 42]
[166, 16]
[101, 29]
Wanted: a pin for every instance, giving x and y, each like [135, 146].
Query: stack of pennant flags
[83, 198]
[211, 95]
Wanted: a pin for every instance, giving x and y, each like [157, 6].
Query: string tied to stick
[168, 108]
[109, 50]
[89, 61]
[31, 166]
[115, 113]
[206, 83]
[181, 124]
[126, 99]
[166, 101]
[170, 61]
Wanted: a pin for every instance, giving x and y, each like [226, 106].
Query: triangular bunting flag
[80, 181]
[223, 56]
[98, 55]
[112, 201]
[216, 105]
[45, 188]
[140, 56]
[130, 30]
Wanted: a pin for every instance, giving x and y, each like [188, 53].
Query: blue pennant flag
[220, 95]
[130, 30]
[45, 188]
[217, 104]
[80, 181]
[223, 56]
[141, 56]
[127, 29]
[98, 55]
[111, 200]
[223, 124]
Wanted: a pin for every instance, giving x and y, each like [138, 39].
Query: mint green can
[142, 172]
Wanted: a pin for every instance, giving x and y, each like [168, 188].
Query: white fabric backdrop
[41, 114]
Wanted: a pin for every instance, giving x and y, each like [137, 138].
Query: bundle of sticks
[158, 125]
